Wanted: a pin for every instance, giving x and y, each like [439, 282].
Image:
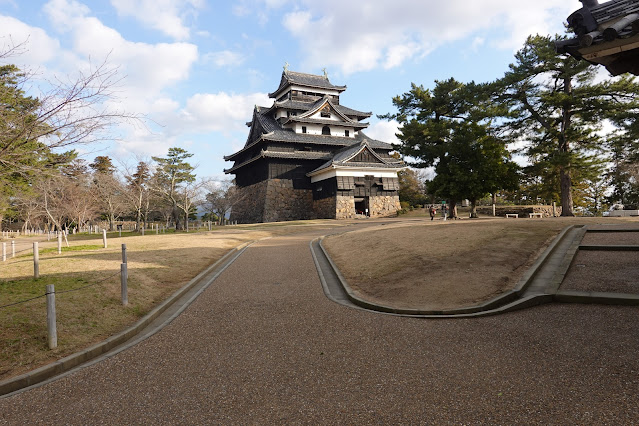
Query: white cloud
[221, 112]
[37, 47]
[225, 58]
[360, 37]
[147, 68]
[166, 16]
[384, 131]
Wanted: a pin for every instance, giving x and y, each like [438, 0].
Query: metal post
[59, 242]
[104, 241]
[36, 261]
[123, 253]
[554, 209]
[123, 279]
[52, 333]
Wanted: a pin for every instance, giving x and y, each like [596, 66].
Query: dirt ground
[443, 264]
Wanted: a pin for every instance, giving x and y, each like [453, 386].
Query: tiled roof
[352, 112]
[306, 138]
[342, 157]
[307, 80]
[295, 155]
[298, 119]
[307, 106]
[606, 34]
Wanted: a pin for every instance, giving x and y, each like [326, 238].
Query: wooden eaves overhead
[605, 34]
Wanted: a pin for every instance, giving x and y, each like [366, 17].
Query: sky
[195, 69]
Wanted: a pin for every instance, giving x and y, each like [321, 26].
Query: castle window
[326, 130]
[303, 129]
[346, 133]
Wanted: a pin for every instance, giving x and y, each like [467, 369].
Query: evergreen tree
[557, 107]
[171, 174]
[449, 128]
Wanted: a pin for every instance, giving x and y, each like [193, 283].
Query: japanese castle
[306, 157]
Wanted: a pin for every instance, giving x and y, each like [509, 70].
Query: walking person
[432, 212]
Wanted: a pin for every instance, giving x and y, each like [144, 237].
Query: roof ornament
[325, 73]
[285, 67]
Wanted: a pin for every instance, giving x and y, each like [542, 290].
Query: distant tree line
[44, 183]
[549, 108]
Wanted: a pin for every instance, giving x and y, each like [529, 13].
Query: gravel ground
[264, 345]
[612, 238]
[607, 271]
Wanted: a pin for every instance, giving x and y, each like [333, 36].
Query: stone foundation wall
[384, 206]
[250, 208]
[324, 208]
[276, 200]
[283, 202]
[345, 207]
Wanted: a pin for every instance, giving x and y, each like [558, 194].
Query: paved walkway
[263, 344]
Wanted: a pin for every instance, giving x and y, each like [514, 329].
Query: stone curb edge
[71, 361]
[500, 304]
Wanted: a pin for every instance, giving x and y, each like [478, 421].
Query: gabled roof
[606, 34]
[305, 106]
[320, 104]
[343, 159]
[306, 80]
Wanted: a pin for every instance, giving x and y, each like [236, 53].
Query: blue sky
[196, 68]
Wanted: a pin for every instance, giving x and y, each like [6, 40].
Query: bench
[513, 215]
[539, 215]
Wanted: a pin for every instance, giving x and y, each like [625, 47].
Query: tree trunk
[175, 213]
[452, 209]
[566, 192]
[473, 208]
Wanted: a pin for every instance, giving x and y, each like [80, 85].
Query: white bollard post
[142, 229]
[4, 252]
[104, 240]
[13, 249]
[123, 281]
[52, 333]
[36, 261]
[59, 242]
[494, 211]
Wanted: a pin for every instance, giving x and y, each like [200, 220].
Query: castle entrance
[362, 206]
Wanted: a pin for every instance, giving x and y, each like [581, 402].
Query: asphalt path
[263, 344]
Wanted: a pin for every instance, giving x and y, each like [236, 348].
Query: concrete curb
[531, 273]
[594, 247]
[63, 365]
[506, 302]
[601, 298]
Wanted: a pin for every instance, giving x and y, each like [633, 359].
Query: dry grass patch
[158, 265]
[443, 265]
